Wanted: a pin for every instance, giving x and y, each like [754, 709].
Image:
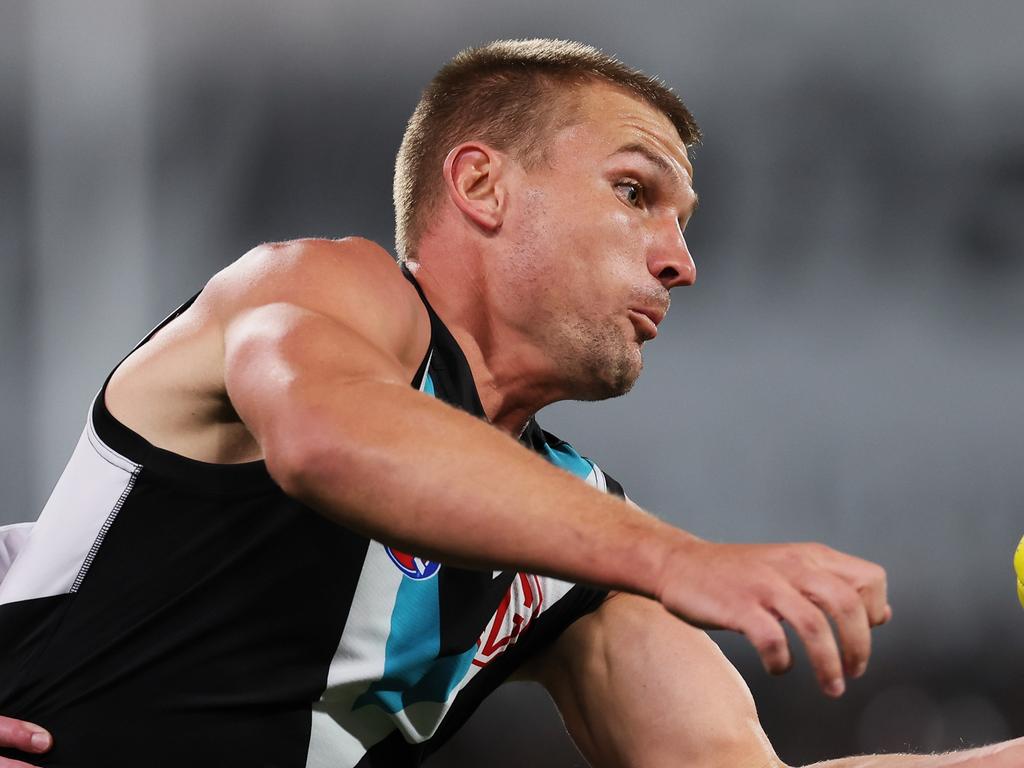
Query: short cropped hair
[511, 95]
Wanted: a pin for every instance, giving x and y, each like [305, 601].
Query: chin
[614, 375]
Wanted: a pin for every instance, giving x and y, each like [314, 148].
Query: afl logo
[414, 567]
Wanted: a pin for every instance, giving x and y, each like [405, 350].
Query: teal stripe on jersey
[413, 672]
[565, 456]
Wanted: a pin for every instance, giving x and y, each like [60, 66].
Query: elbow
[285, 465]
[294, 462]
[331, 473]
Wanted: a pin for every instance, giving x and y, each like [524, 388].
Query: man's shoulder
[315, 265]
[351, 280]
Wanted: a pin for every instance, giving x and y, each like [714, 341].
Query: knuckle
[767, 639]
[795, 556]
[848, 604]
[874, 577]
[819, 549]
[771, 592]
[877, 616]
[811, 624]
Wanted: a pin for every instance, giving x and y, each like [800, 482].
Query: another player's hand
[24, 736]
[752, 588]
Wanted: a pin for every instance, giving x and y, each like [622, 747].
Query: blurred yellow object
[1018, 566]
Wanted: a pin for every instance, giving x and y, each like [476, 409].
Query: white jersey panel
[340, 735]
[12, 540]
[62, 543]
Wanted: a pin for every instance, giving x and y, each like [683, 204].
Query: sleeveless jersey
[165, 612]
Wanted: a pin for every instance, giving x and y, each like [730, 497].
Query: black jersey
[167, 612]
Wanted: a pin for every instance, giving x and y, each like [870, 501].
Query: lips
[646, 320]
[655, 314]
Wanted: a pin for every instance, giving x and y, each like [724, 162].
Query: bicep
[288, 371]
[305, 323]
[276, 350]
[638, 687]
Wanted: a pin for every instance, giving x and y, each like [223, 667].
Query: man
[180, 585]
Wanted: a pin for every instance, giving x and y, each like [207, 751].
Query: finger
[816, 634]
[766, 634]
[5, 763]
[869, 579]
[840, 601]
[26, 737]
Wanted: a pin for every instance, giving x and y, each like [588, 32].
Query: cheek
[587, 253]
[622, 243]
[621, 220]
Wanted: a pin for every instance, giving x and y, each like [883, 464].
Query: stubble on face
[607, 362]
[579, 257]
[597, 355]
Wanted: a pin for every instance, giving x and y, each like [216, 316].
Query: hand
[24, 736]
[752, 588]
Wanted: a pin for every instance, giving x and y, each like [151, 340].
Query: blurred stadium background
[848, 367]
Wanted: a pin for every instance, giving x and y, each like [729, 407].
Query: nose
[670, 261]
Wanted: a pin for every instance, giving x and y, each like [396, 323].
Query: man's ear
[473, 176]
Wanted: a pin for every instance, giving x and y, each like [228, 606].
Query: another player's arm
[318, 357]
[638, 688]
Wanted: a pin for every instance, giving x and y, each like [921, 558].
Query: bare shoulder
[172, 390]
[353, 281]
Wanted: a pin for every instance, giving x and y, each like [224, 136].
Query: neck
[513, 378]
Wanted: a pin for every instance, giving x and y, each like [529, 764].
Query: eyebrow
[659, 161]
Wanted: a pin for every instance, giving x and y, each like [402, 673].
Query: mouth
[646, 322]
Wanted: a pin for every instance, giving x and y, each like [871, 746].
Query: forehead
[611, 116]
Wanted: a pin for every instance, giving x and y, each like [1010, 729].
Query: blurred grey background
[847, 369]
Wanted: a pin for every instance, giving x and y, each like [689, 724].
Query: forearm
[1009, 754]
[326, 395]
[406, 469]
[638, 689]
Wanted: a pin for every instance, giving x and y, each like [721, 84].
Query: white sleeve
[12, 541]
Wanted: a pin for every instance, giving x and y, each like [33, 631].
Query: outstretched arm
[320, 342]
[638, 688]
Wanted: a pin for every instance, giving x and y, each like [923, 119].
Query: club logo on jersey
[414, 567]
[523, 603]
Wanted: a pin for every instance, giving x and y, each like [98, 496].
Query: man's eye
[632, 193]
